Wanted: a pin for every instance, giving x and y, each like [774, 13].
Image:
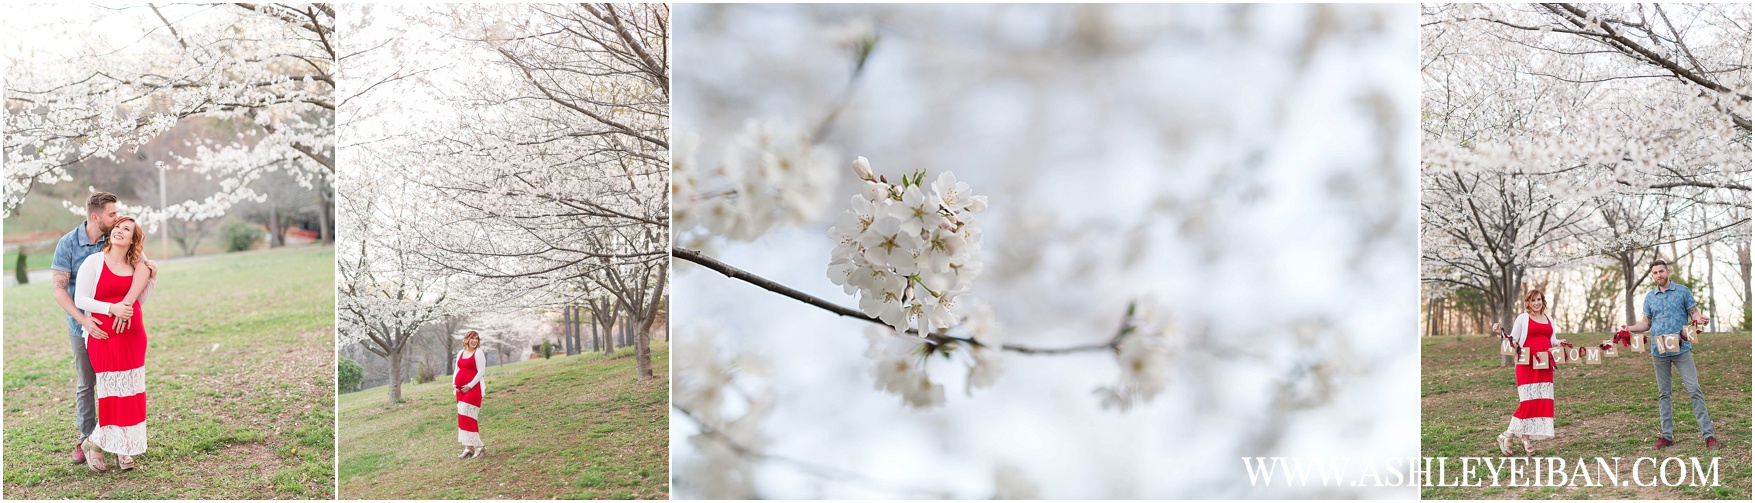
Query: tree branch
[937, 338]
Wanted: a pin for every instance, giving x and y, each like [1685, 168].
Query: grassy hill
[41, 216]
[1608, 410]
[240, 385]
[578, 427]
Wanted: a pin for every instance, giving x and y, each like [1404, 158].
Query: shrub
[19, 270]
[425, 375]
[1743, 324]
[348, 375]
[240, 235]
[548, 349]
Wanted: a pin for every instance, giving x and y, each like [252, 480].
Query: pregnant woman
[1534, 419]
[468, 385]
[109, 287]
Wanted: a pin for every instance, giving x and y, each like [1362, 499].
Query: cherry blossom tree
[1565, 136]
[118, 77]
[383, 295]
[533, 139]
[1485, 231]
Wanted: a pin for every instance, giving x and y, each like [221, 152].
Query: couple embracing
[1669, 308]
[101, 277]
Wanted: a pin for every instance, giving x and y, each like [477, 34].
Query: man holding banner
[1669, 308]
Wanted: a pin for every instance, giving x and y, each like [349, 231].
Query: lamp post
[164, 231]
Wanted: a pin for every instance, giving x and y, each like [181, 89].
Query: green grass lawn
[578, 427]
[1607, 410]
[36, 261]
[240, 385]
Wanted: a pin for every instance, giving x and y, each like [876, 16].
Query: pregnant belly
[107, 321]
[103, 320]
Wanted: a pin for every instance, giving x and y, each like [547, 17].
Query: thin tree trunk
[643, 333]
[1711, 294]
[323, 232]
[1510, 281]
[606, 323]
[567, 330]
[396, 376]
[1431, 319]
[450, 353]
[276, 234]
[1743, 265]
[642, 355]
[1629, 281]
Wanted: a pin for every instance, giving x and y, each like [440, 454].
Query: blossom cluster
[909, 250]
[989, 337]
[704, 385]
[772, 175]
[1144, 355]
[899, 361]
[899, 364]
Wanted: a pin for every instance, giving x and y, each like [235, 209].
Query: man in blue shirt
[1669, 308]
[86, 239]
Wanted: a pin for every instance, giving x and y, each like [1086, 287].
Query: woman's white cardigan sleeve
[85, 287]
[1520, 329]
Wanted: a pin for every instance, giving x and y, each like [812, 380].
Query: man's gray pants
[1684, 364]
[84, 403]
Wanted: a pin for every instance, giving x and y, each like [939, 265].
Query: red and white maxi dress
[1535, 388]
[468, 402]
[119, 363]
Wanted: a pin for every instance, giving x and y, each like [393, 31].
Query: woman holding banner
[1533, 333]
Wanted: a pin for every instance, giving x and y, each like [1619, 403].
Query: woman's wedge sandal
[94, 458]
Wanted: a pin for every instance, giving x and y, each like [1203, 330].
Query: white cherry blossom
[1144, 356]
[899, 231]
[771, 174]
[899, 365]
